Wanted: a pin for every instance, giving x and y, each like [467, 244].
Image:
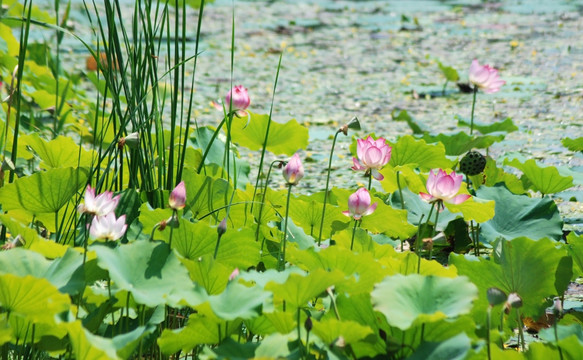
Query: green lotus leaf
[449, 72]
[270, 276]
[239, 301]
[237, 248]
[269, 323]
[416, 299]
[575, 248]
[358, 308]
[406, 264]
[519, 215]
[233, 350]
[535, 270]
[460, 143]
[454, 348]
[407, 178]
[306, 212]
[493, 175]
[59, 152]
[501, 126]
[212, 275]
[570, 348]
[476, 209]
[65, 273]
[35, 300]
[330, 329]
[389, 221]
[150, 272]
[126, 344]
[33, 241]
[200, 329]
[563, 332]
[43, 192]
[20, 330]
[298, 289]
[547, 180]
[403, 115]
[575, 144]
[215, 157]
[284, 139]
[276, 346]
[85, 345]
[360, 270]
[409, 151]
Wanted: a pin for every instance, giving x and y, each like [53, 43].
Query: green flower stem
[473, 107]
[353, 233]
[400, 191]
[299, 330]
[418, 240]
[263, 200]
[557, 339]
[369, 181]
[434, 231]
[208, 147]
[112, 313]
[444, 86]
[281, 256]
[327, 186]
[174, 217]
[501, 328]
[475, 239]
[307, 344]
[488, 326]
[520, 331]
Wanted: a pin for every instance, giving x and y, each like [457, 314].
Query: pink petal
[372, 157]
[370, 209]
[346, 212]
[426, 197]
[376, 174]
[459, 199]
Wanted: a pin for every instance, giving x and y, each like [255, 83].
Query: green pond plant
[133, 229]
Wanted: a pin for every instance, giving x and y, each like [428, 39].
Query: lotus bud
[495, 296]
[177, 199]
[293, 172]
[238, 98]
[372, 155]
[359, 204]
[308, 324]
[222, 228]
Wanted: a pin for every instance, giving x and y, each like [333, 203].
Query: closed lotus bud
[308, 324]
[293, 172]
[472, 163]
[495, 296]
[222, 228]
[177, 199]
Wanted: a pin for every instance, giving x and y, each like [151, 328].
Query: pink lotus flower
[99, 205]
[240, 101]
[372, 156]
[177, 199]
[485, 77]
[108, 227]
[443, 188]
[293, 172]
[359, 204]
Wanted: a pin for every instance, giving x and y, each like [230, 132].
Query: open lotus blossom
[293, 171]
[372, 156]
[99, 205]
[485, 77]
[108, 227]
[240, 101]
[177, 199]
[359, 204]
[442, 187]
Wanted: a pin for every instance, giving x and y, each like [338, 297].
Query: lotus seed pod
[514, 300]
[472, 163]
[495, 296]
[308, 324]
